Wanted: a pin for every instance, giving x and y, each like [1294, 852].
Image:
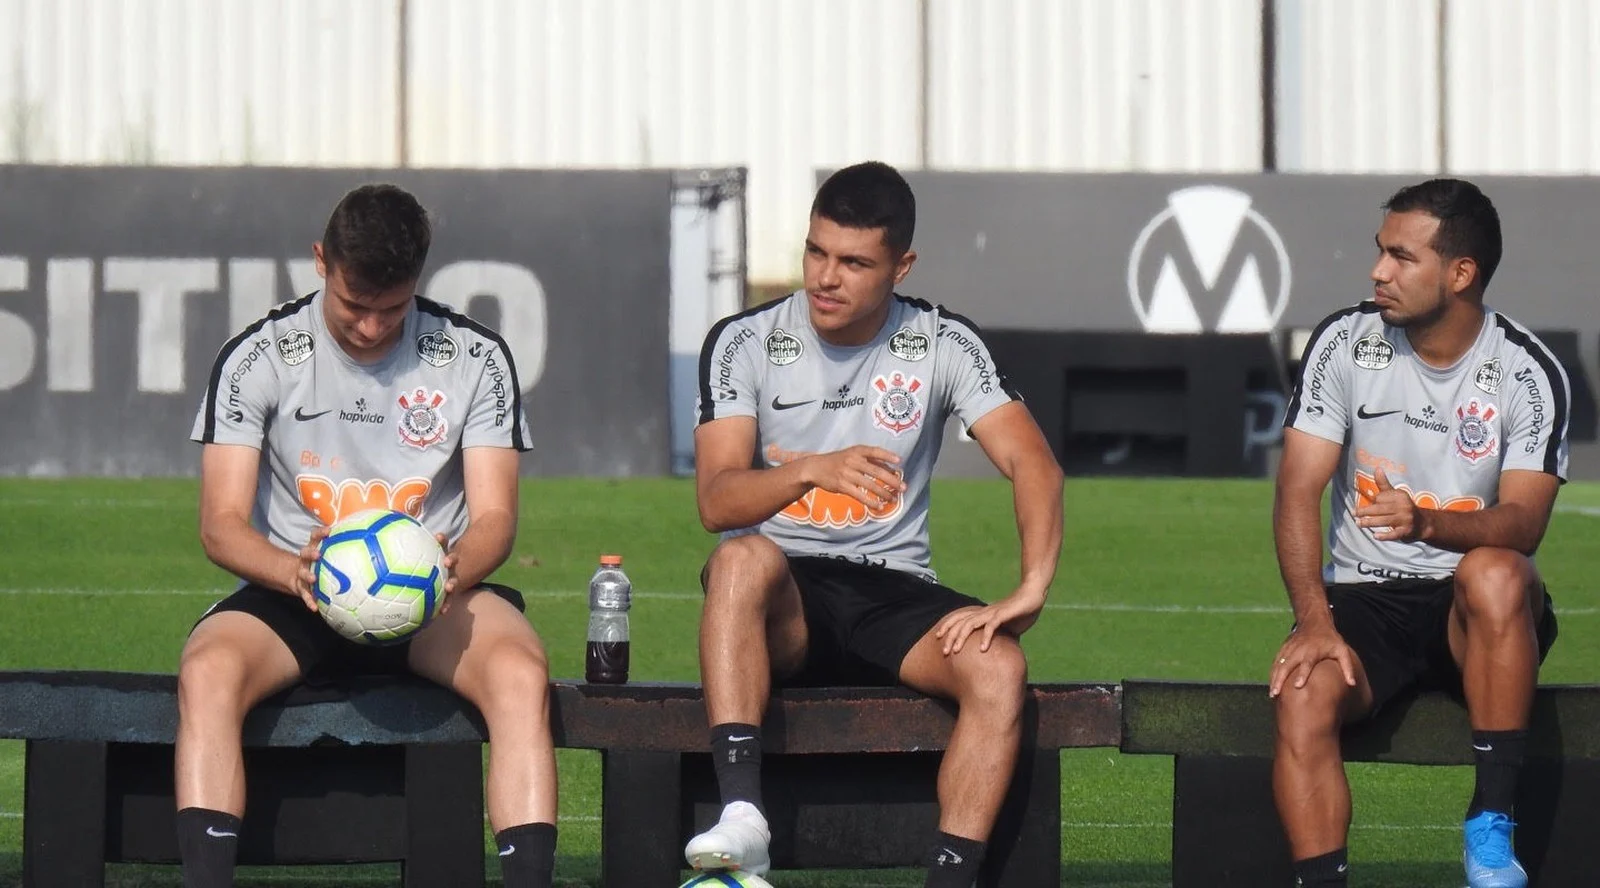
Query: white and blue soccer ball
[380, 577]
[726, 879]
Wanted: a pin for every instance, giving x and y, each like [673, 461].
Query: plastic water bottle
[610, 596]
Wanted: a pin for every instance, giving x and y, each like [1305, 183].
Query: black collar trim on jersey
[438, 310]
[208, 434]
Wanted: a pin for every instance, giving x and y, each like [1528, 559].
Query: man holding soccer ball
[359, 396]
[842, 391]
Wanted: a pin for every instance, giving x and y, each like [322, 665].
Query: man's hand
[1303, 650]
[870, 474]
[450, 560]
[303, 583]
[1392, 515]
[1013, 615]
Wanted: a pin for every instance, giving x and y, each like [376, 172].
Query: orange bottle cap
[611, 560]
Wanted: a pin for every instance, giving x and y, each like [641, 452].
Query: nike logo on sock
[508, 850]
[1342, 867]
[739, 739]
[1487, 747]
[219, 834]
[946, 856]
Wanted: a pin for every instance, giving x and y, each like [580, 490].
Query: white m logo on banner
[1208, 255]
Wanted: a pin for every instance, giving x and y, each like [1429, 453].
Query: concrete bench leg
[64, 815]
[639, 826]
[1558, 805]
[1026, 849]
[444, 815]
[1225, 827]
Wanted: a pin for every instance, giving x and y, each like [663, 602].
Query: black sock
[1499, 755]
[208, 844]
[1324, 870]
[527, 854]
[736, 756]
[953, 862]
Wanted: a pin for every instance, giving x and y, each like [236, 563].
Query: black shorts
[323, 654]
[1400, 630]
[862, 620]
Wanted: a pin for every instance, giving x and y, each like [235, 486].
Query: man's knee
[1494, 584]
[1314, 713]
[211, 677]
[509, 677]
[992, 679]
[742, 567]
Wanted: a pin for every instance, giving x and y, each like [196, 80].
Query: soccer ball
[728, 879]
[380, 577]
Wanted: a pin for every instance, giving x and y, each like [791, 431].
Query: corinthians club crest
[898, 408]
[1475, 431]
[421, 422]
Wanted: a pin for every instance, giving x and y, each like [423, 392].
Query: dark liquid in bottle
[606, 662]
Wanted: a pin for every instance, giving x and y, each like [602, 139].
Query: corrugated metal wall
[1360, 86]
[1524, 87]
[198, 82]
[1090, 85]
[783, 87]
[789, 86]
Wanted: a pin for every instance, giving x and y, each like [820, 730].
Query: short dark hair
[379, 235]
[870, 195]
[1469, 226]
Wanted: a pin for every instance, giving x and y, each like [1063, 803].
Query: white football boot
[738, 842]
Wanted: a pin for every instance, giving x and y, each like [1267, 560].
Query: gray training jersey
[1443, 436]
[808, 397]
[337, 436]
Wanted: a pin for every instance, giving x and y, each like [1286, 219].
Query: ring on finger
[1283, 659]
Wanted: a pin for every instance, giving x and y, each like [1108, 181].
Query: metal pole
[923, 87]
[1442, 72]
[402, 87]
[1269, 86]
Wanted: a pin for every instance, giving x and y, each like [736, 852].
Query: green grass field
[1159, 579]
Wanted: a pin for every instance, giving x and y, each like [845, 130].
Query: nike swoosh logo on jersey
[779, 405]
[1361, 413]
[301, 414]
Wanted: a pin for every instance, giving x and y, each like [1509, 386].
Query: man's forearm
[1506, 526]
[484, 546]
[738, 498]
[238, 548]
[1297, 531]
[1036, 496]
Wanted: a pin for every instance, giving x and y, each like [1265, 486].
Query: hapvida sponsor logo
[1427, 421]
[843, 401]
[361, 414]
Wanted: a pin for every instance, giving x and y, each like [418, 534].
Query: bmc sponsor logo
[1208, 261]
[824, 508]
[1367, 494]
[329, 501]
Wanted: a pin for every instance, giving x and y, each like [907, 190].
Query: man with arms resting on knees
[1442, 425]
